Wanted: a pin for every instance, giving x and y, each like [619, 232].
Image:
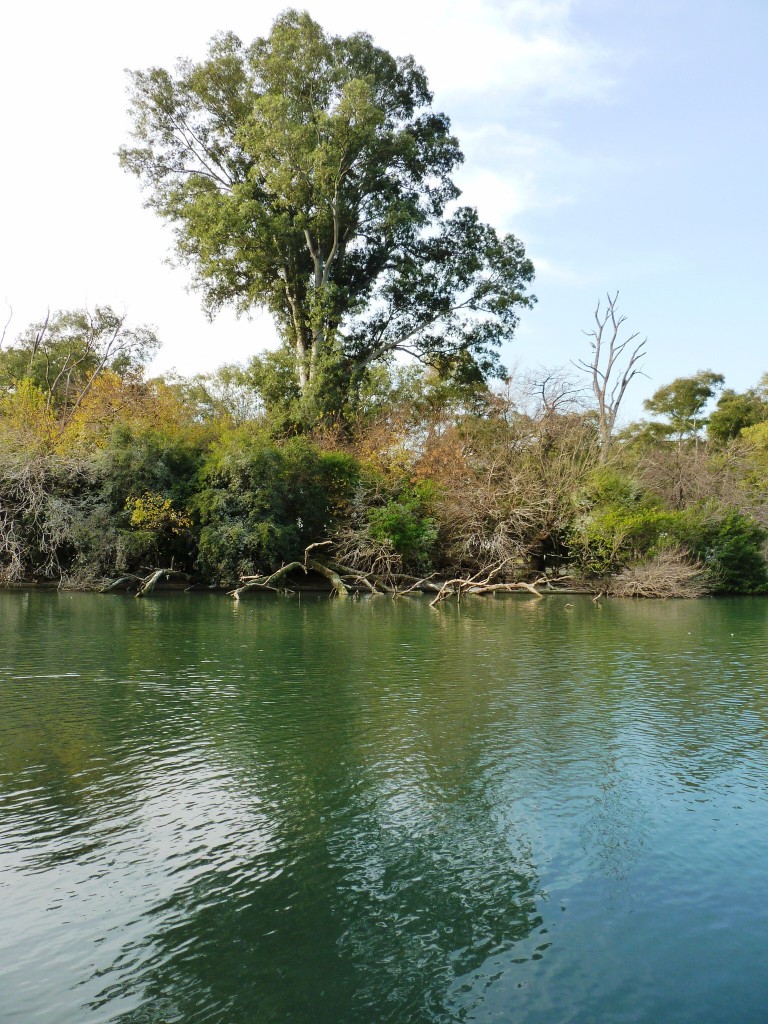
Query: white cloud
[72, 225]
[520, 48]
[508, 172]
[548, 270]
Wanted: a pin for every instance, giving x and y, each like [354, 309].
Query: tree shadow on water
[377, 919]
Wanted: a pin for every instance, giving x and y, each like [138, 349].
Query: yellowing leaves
[155, 513]
[28, 424]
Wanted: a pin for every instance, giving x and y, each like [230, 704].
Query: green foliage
[64, 354]
[307, 174]
[644, 436]
[683, 401]
[610, 538]
[732, 547]
[146, 482]
[757, 435]
[225, 397]
[65, 508]
[624, 526]
[734, 413]
[137, 461]
[404, 523]
[26, 419]
[272, 376]
[152, 511]
[261, 503]
[608, 486]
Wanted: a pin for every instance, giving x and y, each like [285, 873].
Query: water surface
[359, 812]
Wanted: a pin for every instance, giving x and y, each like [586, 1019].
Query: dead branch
[149, 583]
[609, 379]
[305, 566]
[6, 325]
[126, 580]
[317, 544]
[265, 582]
[458, 587]
[333, 577]
[671, 574]
[461, 584]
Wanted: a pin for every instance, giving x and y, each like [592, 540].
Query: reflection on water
[357, 812]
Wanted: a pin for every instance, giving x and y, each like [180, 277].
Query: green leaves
[64, 354]
[403, 523]
[734, 413]
[261, 503]
[683, 401]
[307, 174]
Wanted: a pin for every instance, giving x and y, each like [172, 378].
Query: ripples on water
[375, 812]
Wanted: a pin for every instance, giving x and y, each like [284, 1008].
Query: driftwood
[149, 584]
[264, 582]
[344, 579]
[333, 577]
[121, 581]
[308, 565]
[483, 582]
[144, 584]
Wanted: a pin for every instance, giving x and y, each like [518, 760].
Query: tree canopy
[307, 174]
[683, 402]
[63, 355]
[737, 411]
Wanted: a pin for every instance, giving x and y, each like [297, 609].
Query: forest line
[308, 175]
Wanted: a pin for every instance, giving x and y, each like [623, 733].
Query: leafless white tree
[6, 325]
[612, 367]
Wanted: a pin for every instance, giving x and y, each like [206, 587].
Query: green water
[366, 811]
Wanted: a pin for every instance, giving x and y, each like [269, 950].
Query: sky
[624, 143]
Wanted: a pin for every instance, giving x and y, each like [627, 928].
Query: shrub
[262, 503]
[608, 539]
[670, 573]
[732, 547]
[728, 544]
[404, 524]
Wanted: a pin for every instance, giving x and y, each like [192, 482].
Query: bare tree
[612, 367]
[555, 391]
[6, 326]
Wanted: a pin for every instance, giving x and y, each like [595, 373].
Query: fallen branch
[150, 582]
[127, 580]
[333, 577]
[308, 565]
[317, 544]
[144, 584]
[344, 578]
[460, 586]
[264, 582]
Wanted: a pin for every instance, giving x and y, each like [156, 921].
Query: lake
[359, 812]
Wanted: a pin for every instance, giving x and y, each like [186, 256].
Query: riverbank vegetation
[383, 445]
[106, 474]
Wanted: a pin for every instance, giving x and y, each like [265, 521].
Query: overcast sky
[624, 143]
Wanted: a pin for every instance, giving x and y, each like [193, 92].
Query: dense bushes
[624, 527]
[731, 546]
[261, 503]
[201, 477]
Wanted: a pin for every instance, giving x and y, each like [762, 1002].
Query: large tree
[683, 402]
[308, 174]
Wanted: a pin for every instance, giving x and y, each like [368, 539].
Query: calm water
[367, 812]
